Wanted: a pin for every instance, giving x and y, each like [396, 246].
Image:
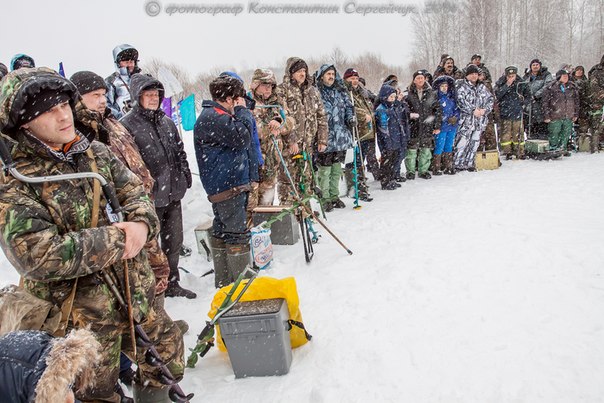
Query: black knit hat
[419, 73]
[45, 100]
[3, 70]
[471, 69]
[298, 65]
[87, 81]
[476, 56]
[560, 73]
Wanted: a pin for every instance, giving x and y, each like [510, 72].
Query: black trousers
[171, 235]
[388, 169]
[230, 220]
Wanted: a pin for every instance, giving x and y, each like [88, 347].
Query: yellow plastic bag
[266, 288]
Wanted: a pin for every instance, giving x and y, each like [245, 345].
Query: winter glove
[452, 120]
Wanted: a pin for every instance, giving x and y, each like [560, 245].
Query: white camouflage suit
[469, 98]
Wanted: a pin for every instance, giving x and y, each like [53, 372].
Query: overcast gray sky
[82, 33]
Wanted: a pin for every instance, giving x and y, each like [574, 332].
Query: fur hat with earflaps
[35, 367]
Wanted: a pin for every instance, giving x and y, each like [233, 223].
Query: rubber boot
[219, 257]
[349, 177]
[436, 165]
[150, 394]
[448, 158]
[238, 258]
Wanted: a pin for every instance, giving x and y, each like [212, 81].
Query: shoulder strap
[67, 305]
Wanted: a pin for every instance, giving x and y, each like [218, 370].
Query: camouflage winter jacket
[339, 110]
[596, 88]
[265, 111]
[362, 108]
[469, 98]
[46, 232]
[122, 145]
[304, 104]
[584, 102]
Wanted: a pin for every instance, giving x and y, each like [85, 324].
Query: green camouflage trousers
[115, 338]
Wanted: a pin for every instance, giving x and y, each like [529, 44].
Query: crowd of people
[272, 143]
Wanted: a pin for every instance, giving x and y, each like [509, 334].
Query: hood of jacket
[140, 82]
[37, 367]
[450, 81]
[385, 92]
[287, 77]
[338, 84]
[20, 86]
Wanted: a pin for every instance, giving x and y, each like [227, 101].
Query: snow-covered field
[482, 287]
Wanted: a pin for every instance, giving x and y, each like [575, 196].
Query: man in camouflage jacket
[269, 122]
[302, 101]
[596, 98]
[92, 88]
[46, 227]
[366, 127]
[340, 120]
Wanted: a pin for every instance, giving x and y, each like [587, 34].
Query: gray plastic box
[256, 335]
[284, 232]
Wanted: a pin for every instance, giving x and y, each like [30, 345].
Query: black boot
[149, 394]
[221, 271]
[389, 185]
[175, 290]
[328, 206]
[448, 160]
[238, 258]
[123, 398]
[436, 165]
[425, 175]
[410, 176]
[337, 203]
[365, 197]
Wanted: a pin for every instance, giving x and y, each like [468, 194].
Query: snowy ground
[482, 287]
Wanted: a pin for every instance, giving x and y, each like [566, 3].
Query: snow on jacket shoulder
[223, 148]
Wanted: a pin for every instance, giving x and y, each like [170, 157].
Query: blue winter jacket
[250, 105]
[390, 120]
[223, 148]
[447, 102]
[339, 109]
